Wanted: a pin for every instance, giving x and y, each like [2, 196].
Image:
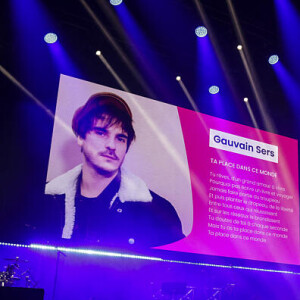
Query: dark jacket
[125, 213]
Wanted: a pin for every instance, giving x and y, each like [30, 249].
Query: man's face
[104, 148]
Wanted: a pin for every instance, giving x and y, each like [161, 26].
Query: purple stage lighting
[141, 257]
[131, 241]
[115, 2]
[201, 31]
[273, 59]
[50, 38]
[214, 89]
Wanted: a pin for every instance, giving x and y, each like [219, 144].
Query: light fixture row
[200, 31]
[141, 257]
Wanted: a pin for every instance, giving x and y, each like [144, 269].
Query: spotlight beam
[198, 183]
[162, 137]
[34, 99]
[213, 40]
[117, 48]
[112, 71]
[187, 94]
[266, 119]
[251, 114]
[25, 91]
[246, 59]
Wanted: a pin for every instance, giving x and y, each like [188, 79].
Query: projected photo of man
[100, 202]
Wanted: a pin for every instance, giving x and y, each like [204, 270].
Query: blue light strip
[92, 252]
[152, 258]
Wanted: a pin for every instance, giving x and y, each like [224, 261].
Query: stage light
[273, 59]
[214, 89]
[239, 47]
[98, 53]
[245, 99]
[201, 31]
[115, 2]
[142, 257]
[178, 78]
[50, 38]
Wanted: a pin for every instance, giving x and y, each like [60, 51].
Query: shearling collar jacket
[133, 213]
[132, 188]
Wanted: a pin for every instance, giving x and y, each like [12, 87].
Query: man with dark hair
[99, 202]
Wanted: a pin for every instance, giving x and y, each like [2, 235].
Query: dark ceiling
[167, 28]
[167, 49]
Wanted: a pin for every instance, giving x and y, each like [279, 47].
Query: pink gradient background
[195, 128]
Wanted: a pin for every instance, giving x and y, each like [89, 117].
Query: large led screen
[188, 182]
